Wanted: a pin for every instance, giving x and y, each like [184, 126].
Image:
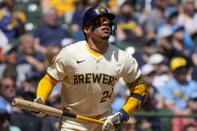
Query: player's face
[102, 27]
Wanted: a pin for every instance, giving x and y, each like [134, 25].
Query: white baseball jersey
[87, 80]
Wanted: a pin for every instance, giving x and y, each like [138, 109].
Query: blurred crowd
[160, 34]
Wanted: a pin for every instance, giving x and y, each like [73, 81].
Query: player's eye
[101, 20]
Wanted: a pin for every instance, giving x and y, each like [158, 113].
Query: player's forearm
[138, 91]
[45, 87]
[131, 104]
[135, 99]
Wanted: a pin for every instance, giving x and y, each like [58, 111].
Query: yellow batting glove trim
[131, 105]
[45, 87]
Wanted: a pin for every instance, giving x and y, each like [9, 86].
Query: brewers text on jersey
[94, 78]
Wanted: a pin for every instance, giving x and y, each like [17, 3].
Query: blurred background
[160, 34]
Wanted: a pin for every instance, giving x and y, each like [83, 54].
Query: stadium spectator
[9, 62]
[159, 62]
[28, 59]
[188, 16]
[178, 41]
[170, 15]
[64, 7]
[177, 90]
[11, 21]
[50, 32]
[171, 19]
[7, 93]
[162, 73]
[164, 38]
[180, 44]
[156, 18]
[128, 27]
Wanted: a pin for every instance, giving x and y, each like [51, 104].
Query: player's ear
[87, 29]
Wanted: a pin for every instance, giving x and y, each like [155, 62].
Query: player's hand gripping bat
[32, 106]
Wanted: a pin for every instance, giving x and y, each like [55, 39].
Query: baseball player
[88, 71]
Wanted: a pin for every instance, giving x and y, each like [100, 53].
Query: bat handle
[90, 119]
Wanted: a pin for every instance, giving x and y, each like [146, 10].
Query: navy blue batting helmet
[94, 12]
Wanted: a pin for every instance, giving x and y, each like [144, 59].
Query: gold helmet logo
[101, 9]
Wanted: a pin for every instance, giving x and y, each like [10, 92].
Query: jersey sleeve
[130, 70]
[58, 70]
[136, 84]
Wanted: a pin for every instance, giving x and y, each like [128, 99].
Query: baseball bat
[36, 107]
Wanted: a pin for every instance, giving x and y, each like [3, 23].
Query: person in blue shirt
[177, 91]
[11, 21]
[51, 32]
